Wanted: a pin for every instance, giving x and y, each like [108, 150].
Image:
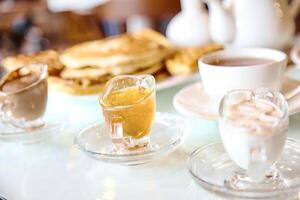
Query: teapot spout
[221, 22]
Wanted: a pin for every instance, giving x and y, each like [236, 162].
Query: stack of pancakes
[86, 67]
[49, 57]
[89, 65]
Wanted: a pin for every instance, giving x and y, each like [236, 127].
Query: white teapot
[190, 26]
[252, 23]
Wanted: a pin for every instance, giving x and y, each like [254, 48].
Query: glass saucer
[167, 133]
[211, 168]
[9, 134]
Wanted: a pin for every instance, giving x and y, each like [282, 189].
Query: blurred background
[31, 25]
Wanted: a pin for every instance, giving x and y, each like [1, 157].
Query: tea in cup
[23, 96]
[248, 68]
[128, 104]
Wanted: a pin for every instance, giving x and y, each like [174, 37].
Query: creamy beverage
[253, 128]
[242, 61]
[23, 95]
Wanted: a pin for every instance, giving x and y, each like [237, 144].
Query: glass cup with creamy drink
[23, 97]
[253, 126]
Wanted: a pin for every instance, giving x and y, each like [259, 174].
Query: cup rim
[272, 54]
[43, 75]
[152, 88]
[279, 95]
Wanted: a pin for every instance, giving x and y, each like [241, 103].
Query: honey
[134, 107]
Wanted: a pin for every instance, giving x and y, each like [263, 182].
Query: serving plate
[169, 82]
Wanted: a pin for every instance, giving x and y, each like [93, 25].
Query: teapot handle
[295, 7]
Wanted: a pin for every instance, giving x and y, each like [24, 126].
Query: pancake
[49, 57]
[96, 73]
[58, 84]
[161, 75]
[137, 49]
[184, 61]
[87, 83]
[150, 70]
[86, 72]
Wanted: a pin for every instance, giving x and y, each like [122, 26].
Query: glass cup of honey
[128, 104]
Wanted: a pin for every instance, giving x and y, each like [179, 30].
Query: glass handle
[257, 164]
[4, 108]
[116, 129]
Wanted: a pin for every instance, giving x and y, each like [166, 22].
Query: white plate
[193, 101]
[162, 85]
[176, 80]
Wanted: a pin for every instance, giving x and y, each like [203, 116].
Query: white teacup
[218, 79]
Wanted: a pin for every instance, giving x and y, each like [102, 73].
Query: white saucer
[193, 101]
[167, 133]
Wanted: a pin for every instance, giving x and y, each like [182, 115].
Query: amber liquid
[239, 62]
[136, 108]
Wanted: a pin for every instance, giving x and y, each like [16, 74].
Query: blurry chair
[28, 26]
[156, 13]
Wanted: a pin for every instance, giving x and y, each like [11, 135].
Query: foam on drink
[256, 116]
